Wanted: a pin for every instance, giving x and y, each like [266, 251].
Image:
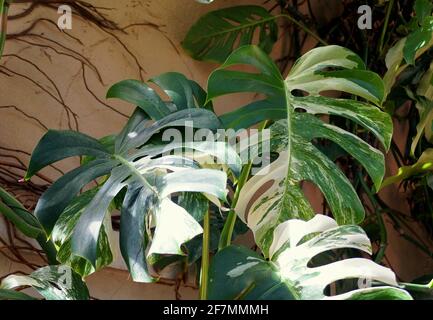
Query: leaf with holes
[239, 273]
[321, 69]
[218, 33]
[149, 173]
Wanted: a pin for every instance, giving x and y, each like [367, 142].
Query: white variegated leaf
[288, 275]
[145, 177]
[274, 194]
[174, 226]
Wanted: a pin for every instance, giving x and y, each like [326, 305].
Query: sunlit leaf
[239, 273]
[145, 175]
[274, 194]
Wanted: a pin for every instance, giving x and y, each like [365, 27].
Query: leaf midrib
[237, 28]
[137, 173]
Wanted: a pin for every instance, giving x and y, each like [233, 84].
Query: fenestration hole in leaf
[55, 285]
[331, 94]
[299, 93]
[330, 69]
[330, 256]
[345, 285]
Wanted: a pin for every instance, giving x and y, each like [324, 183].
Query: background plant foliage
[293, 132]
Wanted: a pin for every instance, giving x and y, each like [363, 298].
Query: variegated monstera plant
[272, 202]
[168, 201]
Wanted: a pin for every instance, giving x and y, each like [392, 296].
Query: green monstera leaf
[152, 224]
[52, 282]
[423, 9]
[216, 34]
[184, 94]
[239, 273]
[291, 136]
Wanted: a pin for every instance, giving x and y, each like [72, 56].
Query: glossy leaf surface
[239, 273]
[291, 136]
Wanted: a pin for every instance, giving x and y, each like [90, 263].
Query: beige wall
[156, 47]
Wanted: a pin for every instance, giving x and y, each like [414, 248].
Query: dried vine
[12, 167]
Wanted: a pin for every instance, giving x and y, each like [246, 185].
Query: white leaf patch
[291, 251]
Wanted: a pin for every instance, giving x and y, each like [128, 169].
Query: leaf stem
[229, 225]
[204, 278]
[25, 227]
[304, 28]
[385, 26]
[27, 223]
[418, 287]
